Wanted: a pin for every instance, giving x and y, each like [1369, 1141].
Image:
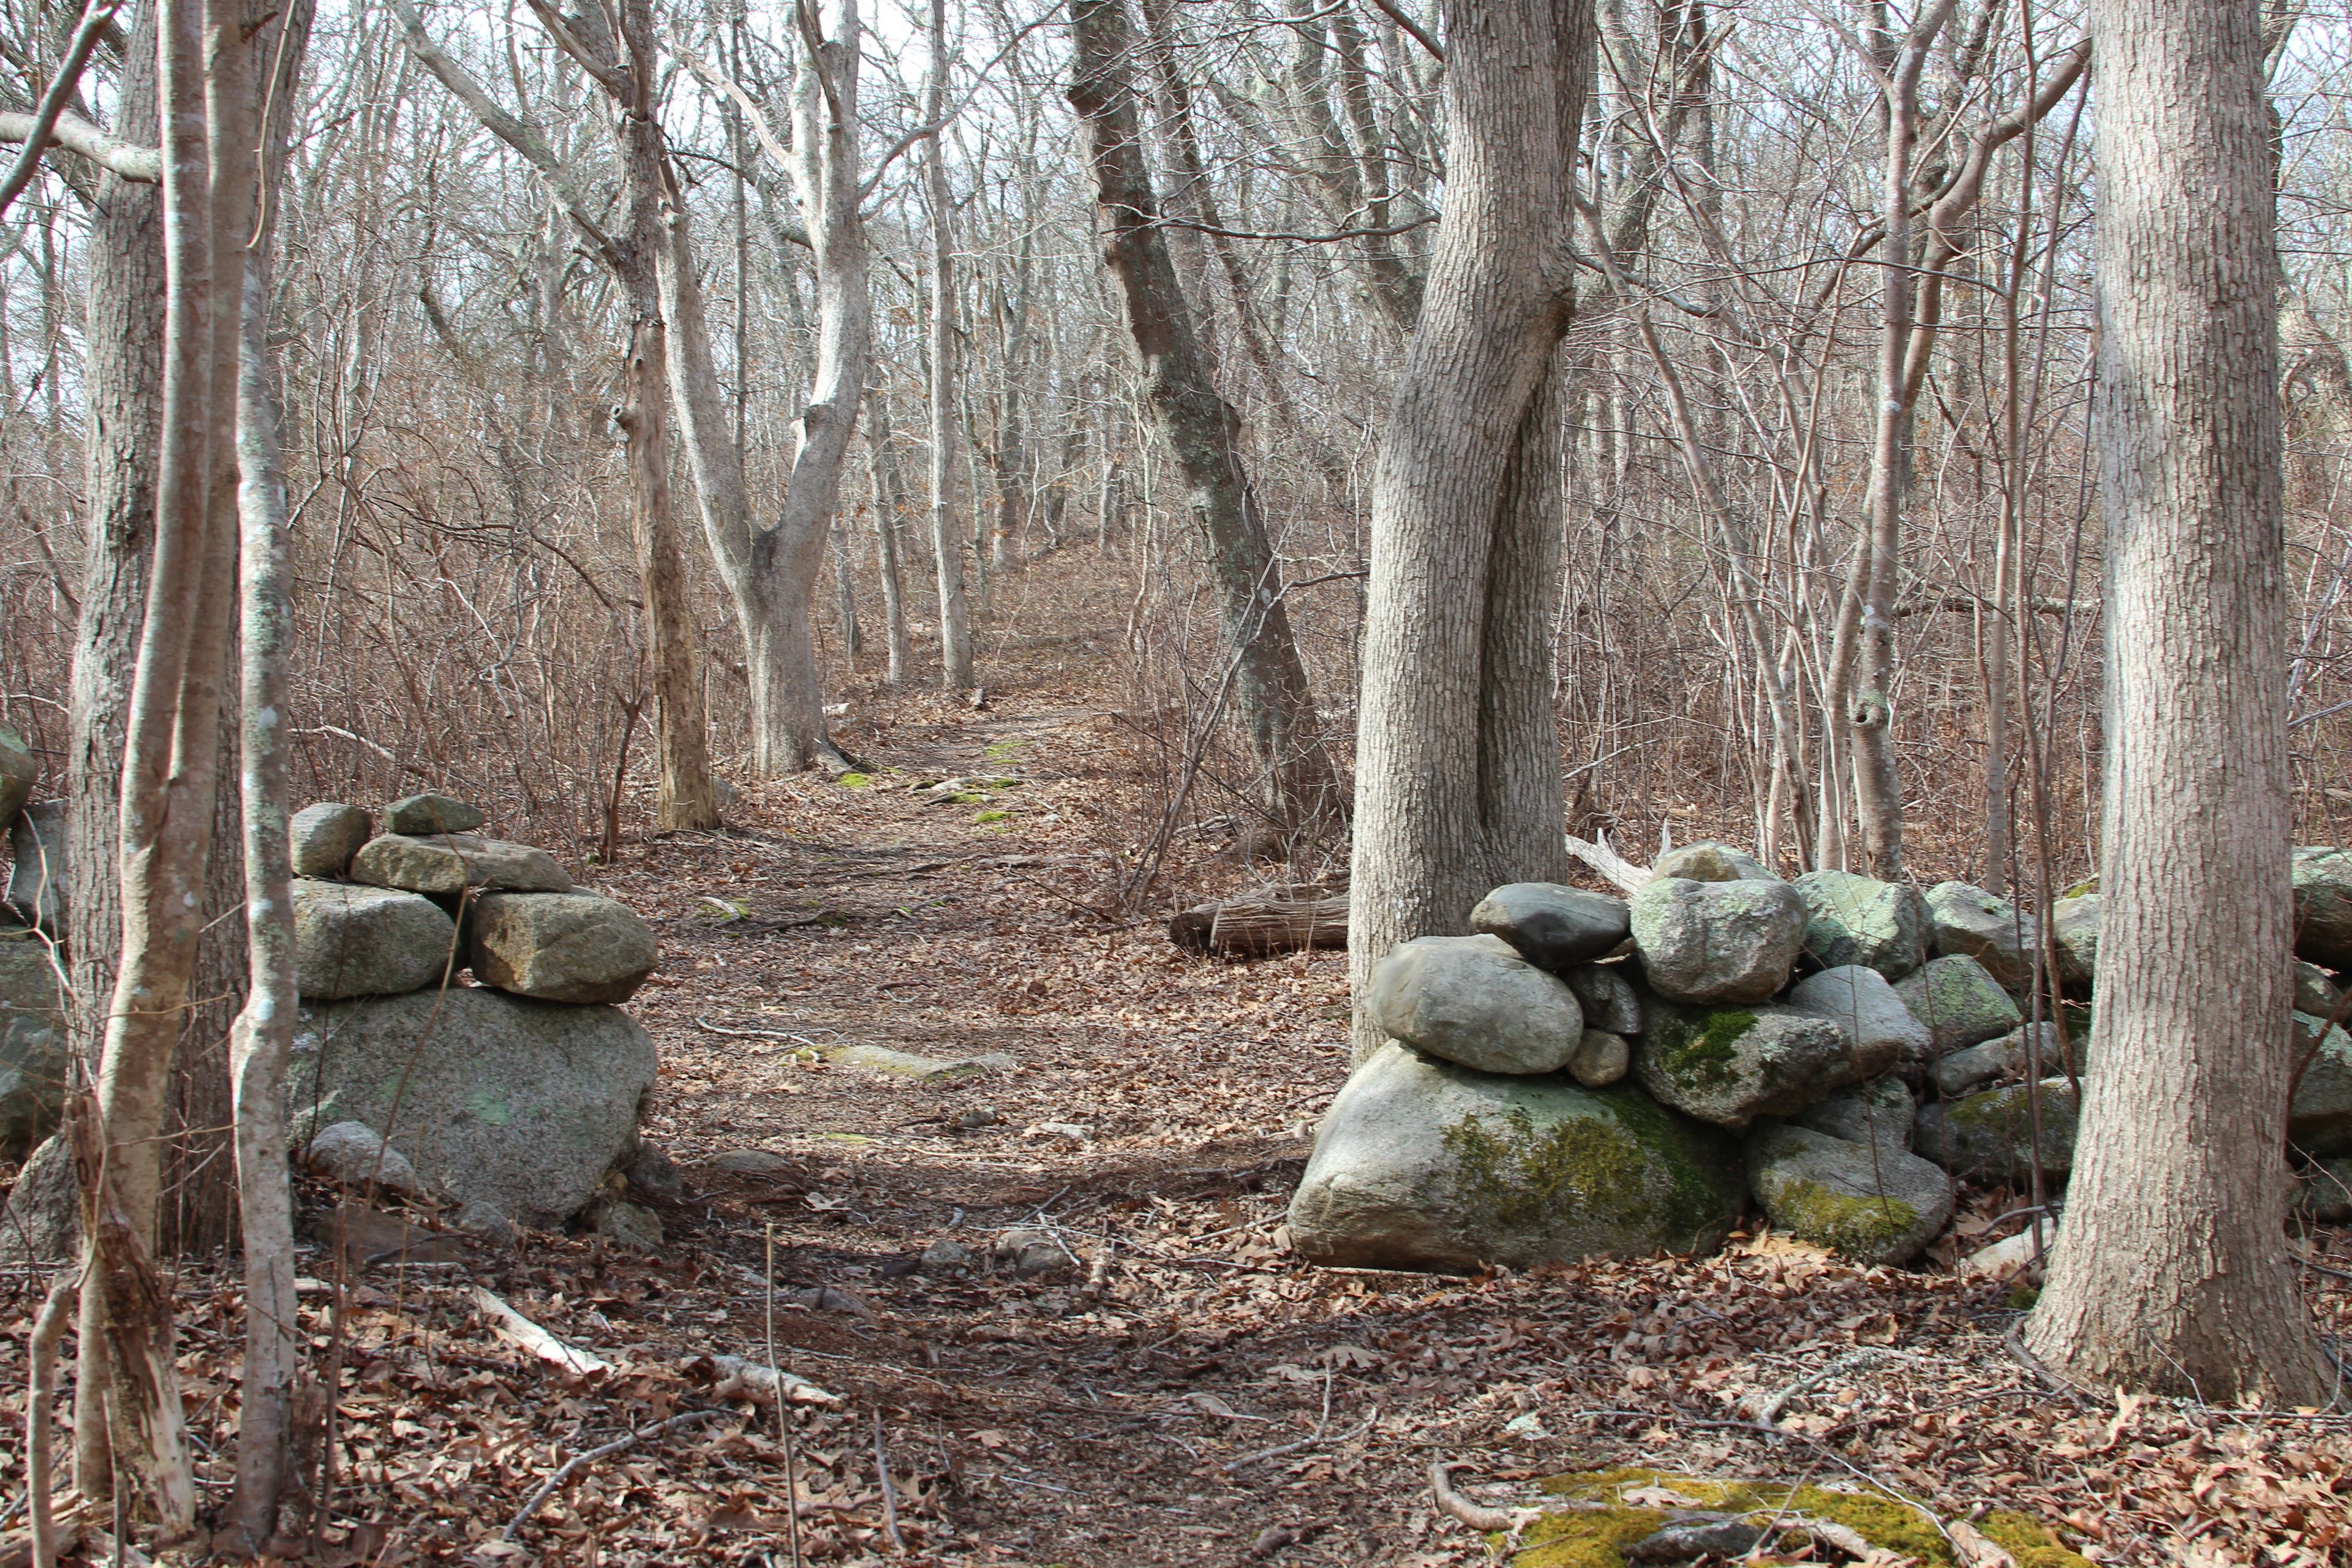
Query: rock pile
[519, 1092]
[1594, 1076]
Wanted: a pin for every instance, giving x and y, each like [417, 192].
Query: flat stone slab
[883, 1062]
[445, 866]
[427, 814]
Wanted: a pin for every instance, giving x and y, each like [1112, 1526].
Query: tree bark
[1268, 679]
[2171, 1271]
[889, 502]
[1457, 769]
[955, 614]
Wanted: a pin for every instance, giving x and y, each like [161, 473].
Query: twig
[40, 1393]
[571, 1466]
[889, 1493]
[783, 1412]
[1306, 1442]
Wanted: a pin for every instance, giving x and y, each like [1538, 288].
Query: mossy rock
[1875, 1205]
[854, 781]
[1852, 919]
[1989, 1136]
[1425, 1164]
[1597, 1538]
[1961, 1001]
[1730, 1065]
[987, 817]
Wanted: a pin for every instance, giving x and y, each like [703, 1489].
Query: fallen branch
[1598, 854]
[571, 1466]
[1477, 1515]
[1257, 927]
[513, 1326]
[749, 1380]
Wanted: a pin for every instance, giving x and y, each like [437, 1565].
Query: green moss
[2029, 1540]
[1594, 1540]
[990, 815]
[1859, 1226]
[853, 780]
[1897, 1527]
[1525, 1177]
[1699, 1048]
[1699, 1177]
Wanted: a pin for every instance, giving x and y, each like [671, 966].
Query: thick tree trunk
[1267, 679]
[955, 613]
[1457, 767]
[2171, 1271]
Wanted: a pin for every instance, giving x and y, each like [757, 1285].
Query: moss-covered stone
[1731, 1065]
[1597, 1538]
[1875, 1205]
[1423, 1164]
[1717, 942]
[1961, 1001]
[2029, 1540]
[1862, 920]
[1989, 1136]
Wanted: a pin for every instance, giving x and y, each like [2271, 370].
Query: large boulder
[1875, 1206]
[2323, 906]
[1966, 922]
[1608, 996]
[1852, 920]
[2075, 927]
[2320, 1120]
[560, 947]
[1731, 1065]
[1989, 1136]
[1881, 1111]
[1959, 1002]
[1862, 1000]
[1474, 1000]
[422, 815]
[325, 837]
[41, 1221]
[34, 1052]
[2015, 1055]
[1712, 862]
[520, 1104]
[446, 866]
[1425, 1164]
[1553, 927]
[367, 942]
[2323, 1192]
[18, 772]
[37, 882]
[1717, 941]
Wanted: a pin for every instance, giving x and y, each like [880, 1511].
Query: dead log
[1258, 926]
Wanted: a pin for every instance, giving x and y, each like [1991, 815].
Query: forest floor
[1185, 1392]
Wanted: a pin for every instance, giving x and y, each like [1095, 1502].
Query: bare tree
[1458, 768]
[955, 615]
[2171, 1271]
[1267, 679]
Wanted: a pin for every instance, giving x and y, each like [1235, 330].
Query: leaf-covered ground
[1178, 1390]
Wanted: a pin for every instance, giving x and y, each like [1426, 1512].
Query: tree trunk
[955, 614]
[890, 501]
[169, 765]
[1457, 769]
[844, 595]
[2171, 1271]
[1268, 679]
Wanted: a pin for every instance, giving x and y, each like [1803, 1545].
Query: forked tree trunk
[1457, 769]
[955, 612]
[1267, 679]
[2171, 1271]
[771, 573]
